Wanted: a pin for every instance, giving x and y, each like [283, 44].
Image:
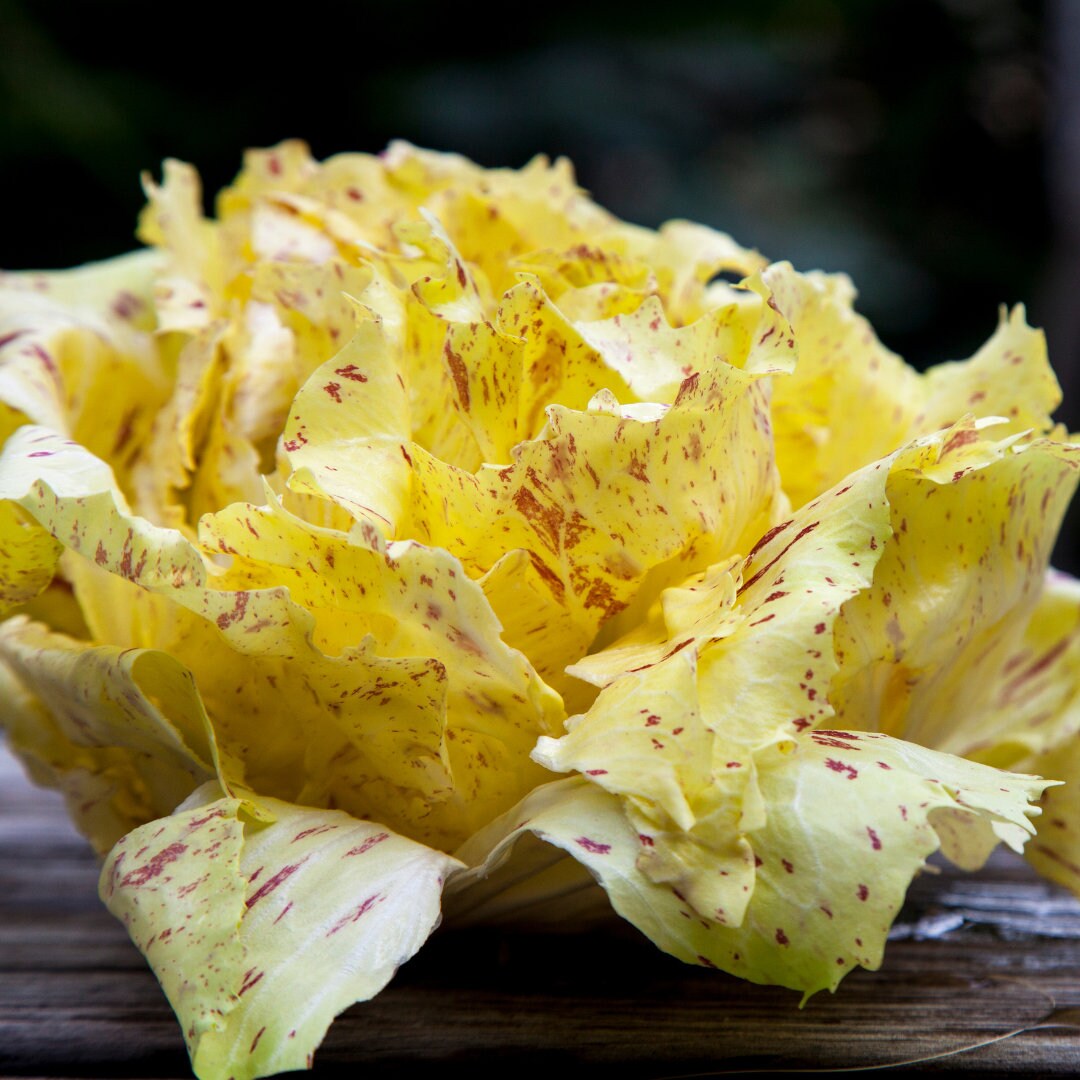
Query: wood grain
[983, 978]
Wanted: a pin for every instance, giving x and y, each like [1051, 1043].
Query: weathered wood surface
[983, 979]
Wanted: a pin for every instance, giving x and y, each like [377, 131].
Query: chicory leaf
[261, 932]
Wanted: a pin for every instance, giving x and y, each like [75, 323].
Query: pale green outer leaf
[260, 934]
[735, 669]
[849, 821]
[177, 886]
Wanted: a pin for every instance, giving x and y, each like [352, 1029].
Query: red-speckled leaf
[609, 496]
[188, 290]
[402, 700]
[742, 657]
[85, 752]
[1055, 852]
[414, 606]
[77, 355]
[177, 886]
[128, 721]
[950, 648]
[736, 659]
[349, 432]
[73, 495]
[605, 494]
[684, 257]
[848, 819]
[851, 400]
[260, 934]
[28, 557]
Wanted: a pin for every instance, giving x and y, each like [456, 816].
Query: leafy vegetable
[261, 932]
[334, 530]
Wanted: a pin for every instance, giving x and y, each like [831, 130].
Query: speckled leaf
[609, 495]
[28, 557]
[735, 660]
[654, 357]
[73, 495]
[851, 400]
[1023, 687]
[1036, 703]
[99, 790]
[1010, 377]
[1004, 690]
[349, 432]
[171, 454]
[403, 698]
[507, 370]
[130, 719]
[591, 269]
[474, 734]
[741, 658]
[935, 651]
[76, 354]
[359, 199]
[260, 934]
[685, 256]
[177, 886]
[598, 501]
[848, 821]
[188, 292]
[1055, 852]
[314, 318]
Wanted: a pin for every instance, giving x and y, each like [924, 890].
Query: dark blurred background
[930, 148]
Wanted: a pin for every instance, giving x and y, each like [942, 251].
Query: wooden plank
[984, 969]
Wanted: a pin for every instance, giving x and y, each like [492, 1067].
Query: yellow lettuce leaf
[1055, 852]
[261, 932]
[603, 496]
[737, 659]
[935, 651]
[685, 257]
[849, 819]
[851, 401]
[121, 732]
[740, 663]
[77, 355]
[189, 290]
[401, 696]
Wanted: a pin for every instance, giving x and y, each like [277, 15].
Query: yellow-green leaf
[261, 933]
